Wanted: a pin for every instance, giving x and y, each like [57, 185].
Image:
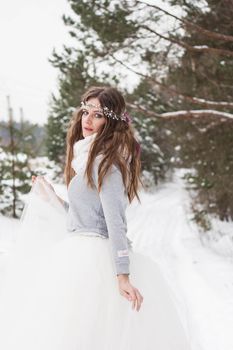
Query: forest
[174, 64]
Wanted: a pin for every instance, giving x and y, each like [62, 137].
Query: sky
[29, 30]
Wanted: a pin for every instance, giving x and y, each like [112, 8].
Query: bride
[74, 280]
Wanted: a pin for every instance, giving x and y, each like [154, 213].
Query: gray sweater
[102, 213]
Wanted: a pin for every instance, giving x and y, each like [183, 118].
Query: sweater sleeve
[114, 203]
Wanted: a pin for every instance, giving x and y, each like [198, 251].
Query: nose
[89, 118]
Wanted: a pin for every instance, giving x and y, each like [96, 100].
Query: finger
[40, 177]
[126, 295]
[45, 181]
[133, 298]
[139, 299]
[134, 303]
[139, 294]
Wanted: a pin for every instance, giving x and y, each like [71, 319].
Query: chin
[88, 133]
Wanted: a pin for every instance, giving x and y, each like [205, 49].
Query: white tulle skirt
[60, 292]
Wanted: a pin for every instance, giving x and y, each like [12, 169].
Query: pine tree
[79, 67]
[15, 172]
[207, 71]
[186, 69]
[206, 141]
[73, 80]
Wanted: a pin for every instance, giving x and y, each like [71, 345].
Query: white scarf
[81, 152]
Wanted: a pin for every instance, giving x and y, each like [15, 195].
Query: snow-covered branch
[196, 48]
[202, 101]
[197, 113]
[142, 109]
[182, 113]
[193, 99]
[198, 28]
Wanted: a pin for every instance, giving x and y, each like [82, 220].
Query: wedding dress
[59, 291]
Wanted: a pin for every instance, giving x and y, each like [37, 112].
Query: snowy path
[8, 230]
[201, 280]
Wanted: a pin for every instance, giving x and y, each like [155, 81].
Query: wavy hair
[114, 139]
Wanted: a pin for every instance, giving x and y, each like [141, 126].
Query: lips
[88, 129]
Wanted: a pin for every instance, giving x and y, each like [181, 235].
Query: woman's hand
[130, 292]
[41, 188]
[43, 180]
[33, 178]
[42, 191]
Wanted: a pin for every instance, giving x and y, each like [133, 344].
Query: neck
[81, 151]
[90, 136]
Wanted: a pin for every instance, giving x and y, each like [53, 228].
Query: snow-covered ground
[200, 275]
[201, 279]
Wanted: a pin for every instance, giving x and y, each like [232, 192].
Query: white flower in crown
[108, 112]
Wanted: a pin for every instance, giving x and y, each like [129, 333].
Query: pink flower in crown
[127, 117]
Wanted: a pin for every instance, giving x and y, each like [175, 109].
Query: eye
[84, 112]
[98, 115]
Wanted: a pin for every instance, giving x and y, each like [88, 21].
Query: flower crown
[108, 112]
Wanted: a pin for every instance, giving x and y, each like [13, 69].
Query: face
[92, 117]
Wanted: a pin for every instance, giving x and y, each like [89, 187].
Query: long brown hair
[114, 139]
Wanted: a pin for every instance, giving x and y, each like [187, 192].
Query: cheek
[99, 123]
[82, 120]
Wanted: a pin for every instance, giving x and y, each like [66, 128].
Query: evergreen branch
[200, 29]
[197, 113]
[181, 113]
[196, 48]
[195, 100]
[140, 108]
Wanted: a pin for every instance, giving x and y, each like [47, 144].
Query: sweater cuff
[122, 268]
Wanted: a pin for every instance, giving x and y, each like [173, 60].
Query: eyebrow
[96, 111]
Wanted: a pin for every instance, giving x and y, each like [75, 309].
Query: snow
[197, 112]
[213, 103]
[8, 231]
[199, 271]
[201, 279]
[200, 47]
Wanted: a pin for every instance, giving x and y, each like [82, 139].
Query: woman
[73, 267]
[101, 128]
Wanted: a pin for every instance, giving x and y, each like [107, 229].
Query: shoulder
[113, 177]
[98, 160]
